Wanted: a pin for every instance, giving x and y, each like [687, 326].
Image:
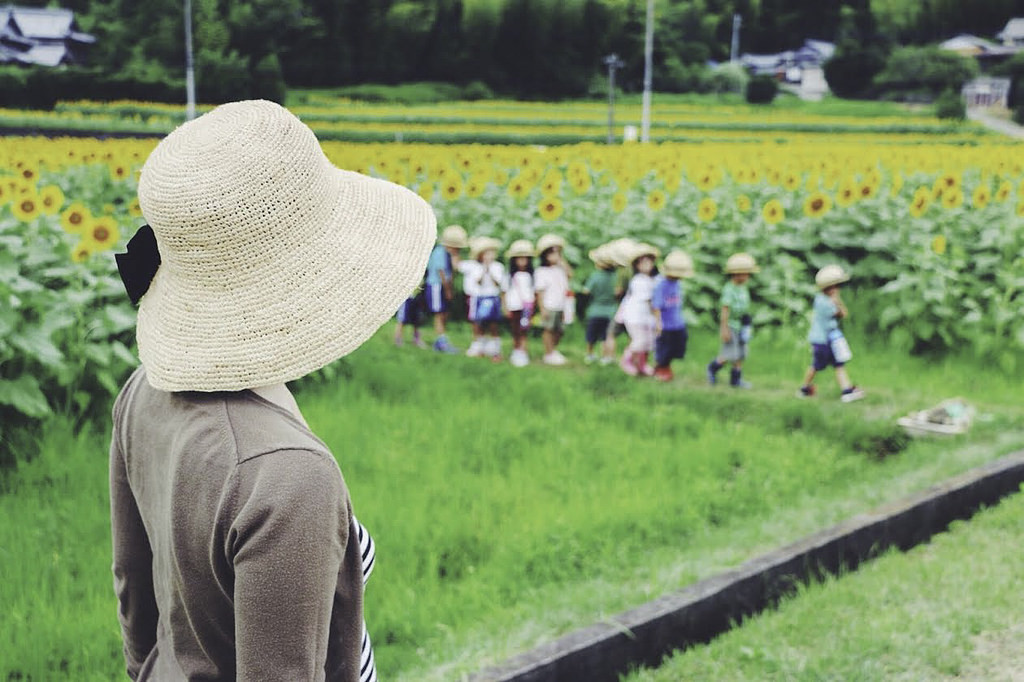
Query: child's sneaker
[519, 358]
[850, 394]
[736, 379]
[442, 345]
[712, 373]
[475, 349]
[663, 373]
[627, 364]
[589, 359]
[419, 343]
[554, 358]
[806, 391]
[492, 347]
[607, 360]
[399, 341]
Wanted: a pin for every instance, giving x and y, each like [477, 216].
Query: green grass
[510, 506]
[946, 610]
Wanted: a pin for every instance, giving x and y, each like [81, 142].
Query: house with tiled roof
[41, 36]
[1013, 34]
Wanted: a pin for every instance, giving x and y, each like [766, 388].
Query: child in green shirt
[734, 325]
[600, 286]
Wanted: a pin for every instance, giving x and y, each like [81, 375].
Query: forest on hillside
[547, 48]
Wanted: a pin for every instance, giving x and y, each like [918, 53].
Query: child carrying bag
[840, 348]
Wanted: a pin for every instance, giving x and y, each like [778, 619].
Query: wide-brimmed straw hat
[678, 264]
[549, 241]
[741, 263]
[830, 275]
[600, 256]
[273, 262]
[455, 237]
[520, 248]
[640, 250]
[477, 245]
[619, 251]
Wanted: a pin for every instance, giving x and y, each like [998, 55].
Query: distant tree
[928, 70]
[762, 90]
[950, 104]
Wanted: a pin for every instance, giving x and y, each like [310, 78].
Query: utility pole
[613, 62]
[645, 121]
[734, 52]
[190, 77]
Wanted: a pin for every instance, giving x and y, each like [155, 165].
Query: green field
[510, 506]
[944, 611]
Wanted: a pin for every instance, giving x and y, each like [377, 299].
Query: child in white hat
[235, 550]
[520, 298]
[734, 321]
[485, 274]
[828, 345]
[670, 331]
[437, 289]
[638, 313]
[551, 282]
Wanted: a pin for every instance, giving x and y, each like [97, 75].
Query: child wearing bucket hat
[734, 323]
[235, 551]
[828, 345]
[671, 335]
[600, 287]
[485, 276]
[551, 282]
[519, 298]
[437, 289]
[638, 313]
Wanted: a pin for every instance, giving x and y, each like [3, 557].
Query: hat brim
[290, 311]
[673, 272]
[832, 282]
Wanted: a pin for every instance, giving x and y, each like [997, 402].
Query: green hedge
[42, 87]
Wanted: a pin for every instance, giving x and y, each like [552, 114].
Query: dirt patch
[997, 656]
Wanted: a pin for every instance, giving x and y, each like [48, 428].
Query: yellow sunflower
[27, 207]
[867, 190]
[817, 205]
[451, 188]
[980, 197]
[707, 210]
[551, 186]
[896, 185]
[52, 198]
[29, 174]
[952, 198]
[581, 184]
[619, 202]
[82, 251]
[791, 181]
[550, 208]
[939, 244]
[919, 204]
[75, 217]
[1004, 191]
[743, 203]
[475, 187]
[656, 200]
[102, 233]
[847, 193]
[773, 212]
[518, 187]
[134, 209]
[119, 171]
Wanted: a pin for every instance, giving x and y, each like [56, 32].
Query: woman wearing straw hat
[235, 551]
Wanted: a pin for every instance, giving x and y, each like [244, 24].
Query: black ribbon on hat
[139, 265]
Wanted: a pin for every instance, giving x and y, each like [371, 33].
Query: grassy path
[947, 610]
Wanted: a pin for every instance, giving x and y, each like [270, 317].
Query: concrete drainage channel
[644, 635]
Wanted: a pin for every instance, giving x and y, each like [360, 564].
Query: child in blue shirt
[670, 331]
[828, 346]
[437, 290]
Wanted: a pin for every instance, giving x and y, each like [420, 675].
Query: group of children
[627, 292]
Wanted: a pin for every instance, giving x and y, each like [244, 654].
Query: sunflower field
[933, 233]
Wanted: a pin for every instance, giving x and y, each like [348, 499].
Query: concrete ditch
[644, 635]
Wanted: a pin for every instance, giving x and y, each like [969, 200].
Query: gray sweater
[235, 550]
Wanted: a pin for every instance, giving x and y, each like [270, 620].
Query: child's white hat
[272, 261]
[678, 264]
[601, 257]
[455, 237]
[619, 251]
[477, 245]
[549, 241]
[830, 275]
[520, 248]
[741, 263]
